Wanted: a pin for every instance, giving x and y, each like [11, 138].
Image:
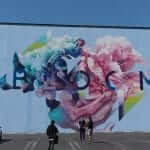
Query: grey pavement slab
[101, 141]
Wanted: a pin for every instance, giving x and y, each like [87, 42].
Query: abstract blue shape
[74, 52]
[18, 68]
[108, 83]
[143, 76]
[3, 80]
[56, 114]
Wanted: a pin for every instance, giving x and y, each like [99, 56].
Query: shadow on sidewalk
[102, 142]
[5, 141]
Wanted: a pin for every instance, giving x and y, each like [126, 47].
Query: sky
[80, 12]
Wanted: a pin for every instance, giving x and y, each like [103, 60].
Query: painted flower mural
[72, 77]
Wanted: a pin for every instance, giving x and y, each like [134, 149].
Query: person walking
[82, 130]
[90, 129]
[52, 135]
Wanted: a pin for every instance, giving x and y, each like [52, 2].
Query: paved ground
[103, 141]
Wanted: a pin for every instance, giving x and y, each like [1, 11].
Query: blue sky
[89, 12]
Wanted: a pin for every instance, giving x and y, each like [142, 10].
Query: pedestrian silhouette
[52, 135]
[82, 124]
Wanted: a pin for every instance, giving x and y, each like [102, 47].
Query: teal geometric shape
[56, 114]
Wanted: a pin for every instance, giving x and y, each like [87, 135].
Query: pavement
[101, 141]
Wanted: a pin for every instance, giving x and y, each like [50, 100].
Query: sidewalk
[102, 141]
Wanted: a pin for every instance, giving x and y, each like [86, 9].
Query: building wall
[125, 51]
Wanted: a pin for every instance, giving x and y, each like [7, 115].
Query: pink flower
[112, 54]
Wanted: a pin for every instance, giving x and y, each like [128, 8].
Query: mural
[78, 80]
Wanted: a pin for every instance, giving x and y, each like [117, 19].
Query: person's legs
[90, 134]
[90, 138]
[80, 135]
[50, 143]
[52, 146]
[84, 135]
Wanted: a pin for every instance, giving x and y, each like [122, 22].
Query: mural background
[21, 112]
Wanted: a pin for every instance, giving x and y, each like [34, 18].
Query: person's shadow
[101, 142]
[5, 141]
